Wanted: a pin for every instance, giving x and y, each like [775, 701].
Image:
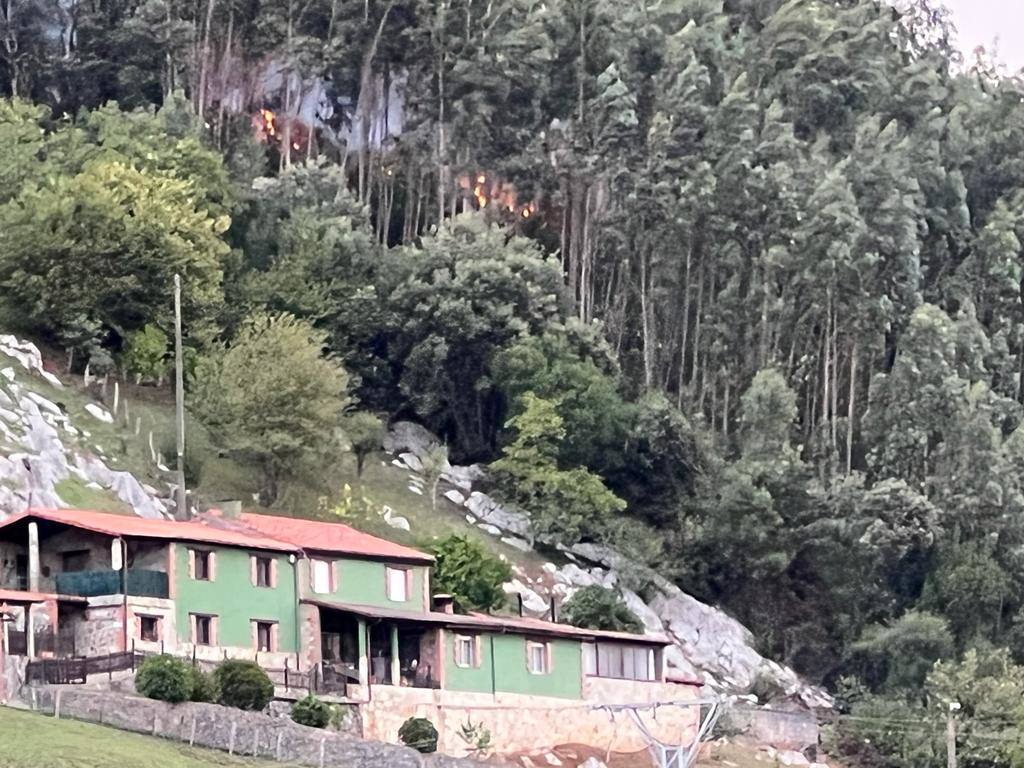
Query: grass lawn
[29, 740]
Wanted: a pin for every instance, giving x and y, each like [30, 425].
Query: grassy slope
[42, 742]
[315, 495]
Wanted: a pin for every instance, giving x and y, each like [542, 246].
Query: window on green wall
[321, 576]
[399, 584]
[538, 658]
[467, 651]
[263, 571]
[201, 564]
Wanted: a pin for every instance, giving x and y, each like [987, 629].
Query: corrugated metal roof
[480, 622]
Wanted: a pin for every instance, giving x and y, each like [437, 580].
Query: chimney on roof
[444, 603]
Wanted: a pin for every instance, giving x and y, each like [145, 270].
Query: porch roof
[483, 623]
[21, 597]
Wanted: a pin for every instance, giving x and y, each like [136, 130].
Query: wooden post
[179, 403]
[396, 663]
[231, 738]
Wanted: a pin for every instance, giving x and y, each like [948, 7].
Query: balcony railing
[140, 583]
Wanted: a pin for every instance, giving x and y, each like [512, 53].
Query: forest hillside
[730, 286]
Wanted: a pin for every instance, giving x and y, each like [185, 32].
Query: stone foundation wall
[782, 729]
[521, 723]
[232, 730]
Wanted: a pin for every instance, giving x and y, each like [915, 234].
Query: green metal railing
[141, 583]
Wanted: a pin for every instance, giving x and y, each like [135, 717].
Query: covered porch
[369, 646]
[31, 623]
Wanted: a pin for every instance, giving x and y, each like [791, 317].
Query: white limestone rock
[520, 544]
[455, 497]
[99, 412]
[490, 511]
[412, 461]
[415, 489]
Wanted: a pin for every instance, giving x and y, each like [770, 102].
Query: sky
[981, 21]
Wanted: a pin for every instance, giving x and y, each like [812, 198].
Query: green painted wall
[474, 679]
[363, 582]
[233, 598]
[565, 678]
[504, 657]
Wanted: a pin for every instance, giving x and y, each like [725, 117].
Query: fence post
[255, 742]
[192, 735]
[322, 743]
[286, 673]
[133, 654]
[231, 741]
[277, 750]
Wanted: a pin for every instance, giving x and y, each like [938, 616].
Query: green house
[348, 610]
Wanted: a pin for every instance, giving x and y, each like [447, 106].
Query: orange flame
[269, 122]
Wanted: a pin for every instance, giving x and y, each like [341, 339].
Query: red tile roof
[333, 538]
[144, 528]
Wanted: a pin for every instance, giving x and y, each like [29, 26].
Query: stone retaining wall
[233, 730]
[779, 728]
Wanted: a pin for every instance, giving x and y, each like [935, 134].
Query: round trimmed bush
[243, 684]
[311, 711]
[164, 678]
[419, 733]
[203, 686]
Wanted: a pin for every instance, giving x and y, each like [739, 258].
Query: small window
[203, 630]
[320, 575]
[466, 651]
[538, 659]
[264, 636]
[149, 629]
[263, 571]
[203, 568]
[398, 584]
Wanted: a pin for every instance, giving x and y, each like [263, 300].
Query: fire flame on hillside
[488, 191]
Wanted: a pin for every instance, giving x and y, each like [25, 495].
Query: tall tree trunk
[204, 59]
[850, 411]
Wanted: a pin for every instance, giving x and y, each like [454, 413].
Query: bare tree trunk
[850, 409]
[647, 322]
[204, 59]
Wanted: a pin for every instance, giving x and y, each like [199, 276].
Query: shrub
[596, 607]
[164, 678]
[472, 575]
[243, 684]
[311, 711]
[419, 733]
[203, 686]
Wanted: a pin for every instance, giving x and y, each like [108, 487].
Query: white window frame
[327, 568]
[390, 576]
[532, 647]
[466, 651]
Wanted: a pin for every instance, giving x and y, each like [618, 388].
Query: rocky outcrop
[708, 645]
[40, 447]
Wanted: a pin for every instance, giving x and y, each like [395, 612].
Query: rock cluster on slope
[40, 447]
[708, 645]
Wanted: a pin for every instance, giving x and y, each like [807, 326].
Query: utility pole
[181, 511]
[954, 707]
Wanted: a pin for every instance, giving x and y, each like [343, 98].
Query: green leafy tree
[564, 504]
[597, 607]
[365, 434]
[434, 464]
[271, 396]
[899, 657]
[106, 244]
[145, 354]
[470, 574]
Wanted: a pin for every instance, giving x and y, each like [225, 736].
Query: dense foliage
[243, 684]
[464, 569]
[733, 286]
[597, 607]
[165, 678]
[311, 711]
[420, 734]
